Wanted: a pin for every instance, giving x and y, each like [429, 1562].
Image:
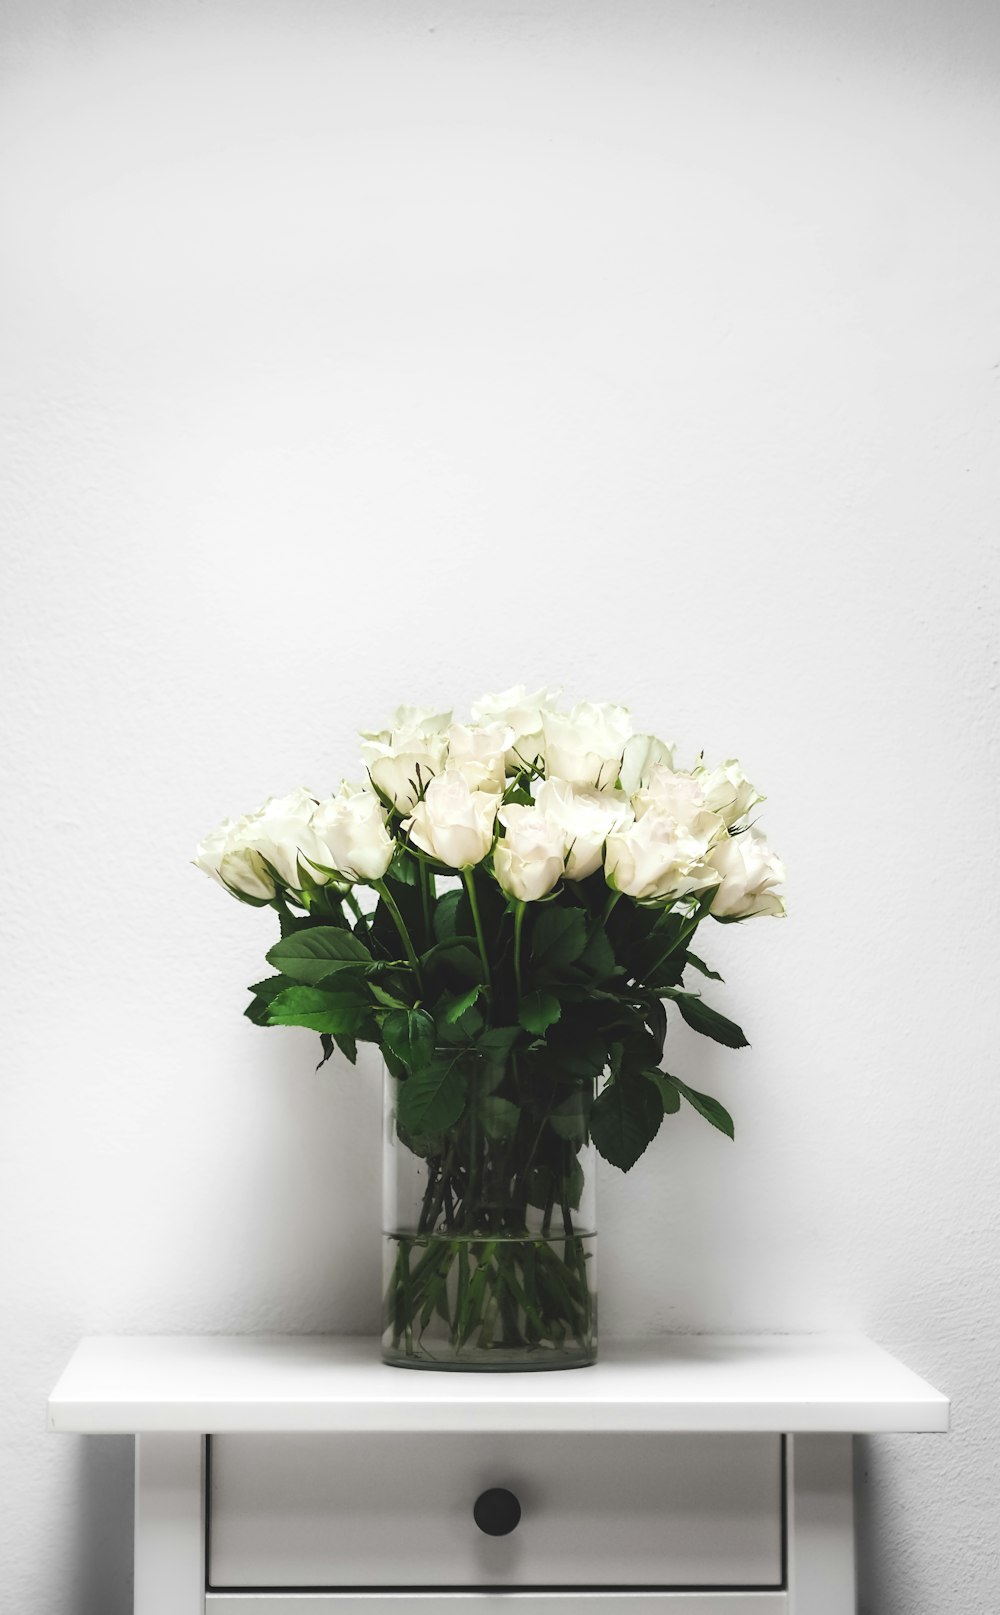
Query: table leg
[820, 1525]
[169, 1525]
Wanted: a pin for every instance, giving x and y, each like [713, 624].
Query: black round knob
[497, 1511]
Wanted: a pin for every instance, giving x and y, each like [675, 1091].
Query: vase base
[490, 1303]
[491, 1362]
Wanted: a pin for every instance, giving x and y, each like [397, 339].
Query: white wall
[363, 352]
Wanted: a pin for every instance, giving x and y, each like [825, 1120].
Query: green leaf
[409, 1035]
[541, 1187]
[486, 1073]
[640, 1049]
[558, 937]
[313, 956]
[289, 922]
[625, 1119]
[424, 1145]
[569, 1120]
[667, 1090]
[498, 1040]
[655, 1016]
[270, 987]
[573, 1185]
[498, 1116]
[445, 919]
[667, 976]
[598, 957]
[701, 1018]
[387, 999]
[705, 1105]
[458, 953]
[464, 963]
[320, 1011]
[699, 964]
[469, 1024]
[264, 992]
[519, 793]
[433, 1097]
[458, 1024]
[663, 939]
[456, 1007]
[538, 1010]
[403, 868]
[577, 1051]
[493, 1048]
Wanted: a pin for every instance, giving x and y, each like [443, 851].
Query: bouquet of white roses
[505, 907]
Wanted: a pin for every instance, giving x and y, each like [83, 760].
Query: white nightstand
[688, 1475]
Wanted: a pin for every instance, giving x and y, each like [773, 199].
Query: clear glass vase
[489, 1229]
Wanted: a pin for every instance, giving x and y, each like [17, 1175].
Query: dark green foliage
[559, 936]
[704, 1104]
[409, 1035]
[548, 998]
[667, 1090]
[433, 1096]
[318, 1009]
[453, 1011]
[313, 956]
[699, 964]
[625, 1119]
[538, 1010]
[708, 1021]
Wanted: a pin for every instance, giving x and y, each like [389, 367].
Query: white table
[686, 1475]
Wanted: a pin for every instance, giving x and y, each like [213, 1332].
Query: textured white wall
[363, 351]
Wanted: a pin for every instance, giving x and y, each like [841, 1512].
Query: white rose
[728, 791]
[402, 764]
[585, 746]
[351, 827]
[523, 710]
[680, 796]
[243, 869]
[586, 817]
[225, 855]
[528, 860]
[412, 721]
[454, 823]
[642, 754]
[282, 833]
[479, 753]
[748, 871]
[209, 851]
[655, 859]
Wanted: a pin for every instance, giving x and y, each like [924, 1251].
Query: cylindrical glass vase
[489, 1228]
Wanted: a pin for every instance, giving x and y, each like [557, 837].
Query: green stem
[358, 912]
[518, 925]
[613, 898]
[521, 1183]
[601, 920]
[425, 903]
[404, 935]
[470, 886]
[680, 942]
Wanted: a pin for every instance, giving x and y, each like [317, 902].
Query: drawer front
[385, 1511]
[497, 1604]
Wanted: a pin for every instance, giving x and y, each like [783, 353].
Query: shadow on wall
[100, 1567]
[879, 1586]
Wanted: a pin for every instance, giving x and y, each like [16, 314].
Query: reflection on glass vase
[490, 1239]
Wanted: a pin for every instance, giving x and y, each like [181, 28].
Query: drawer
[506, 1603]
[390, 1511]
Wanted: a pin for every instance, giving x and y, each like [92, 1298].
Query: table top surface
[212, 1384]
